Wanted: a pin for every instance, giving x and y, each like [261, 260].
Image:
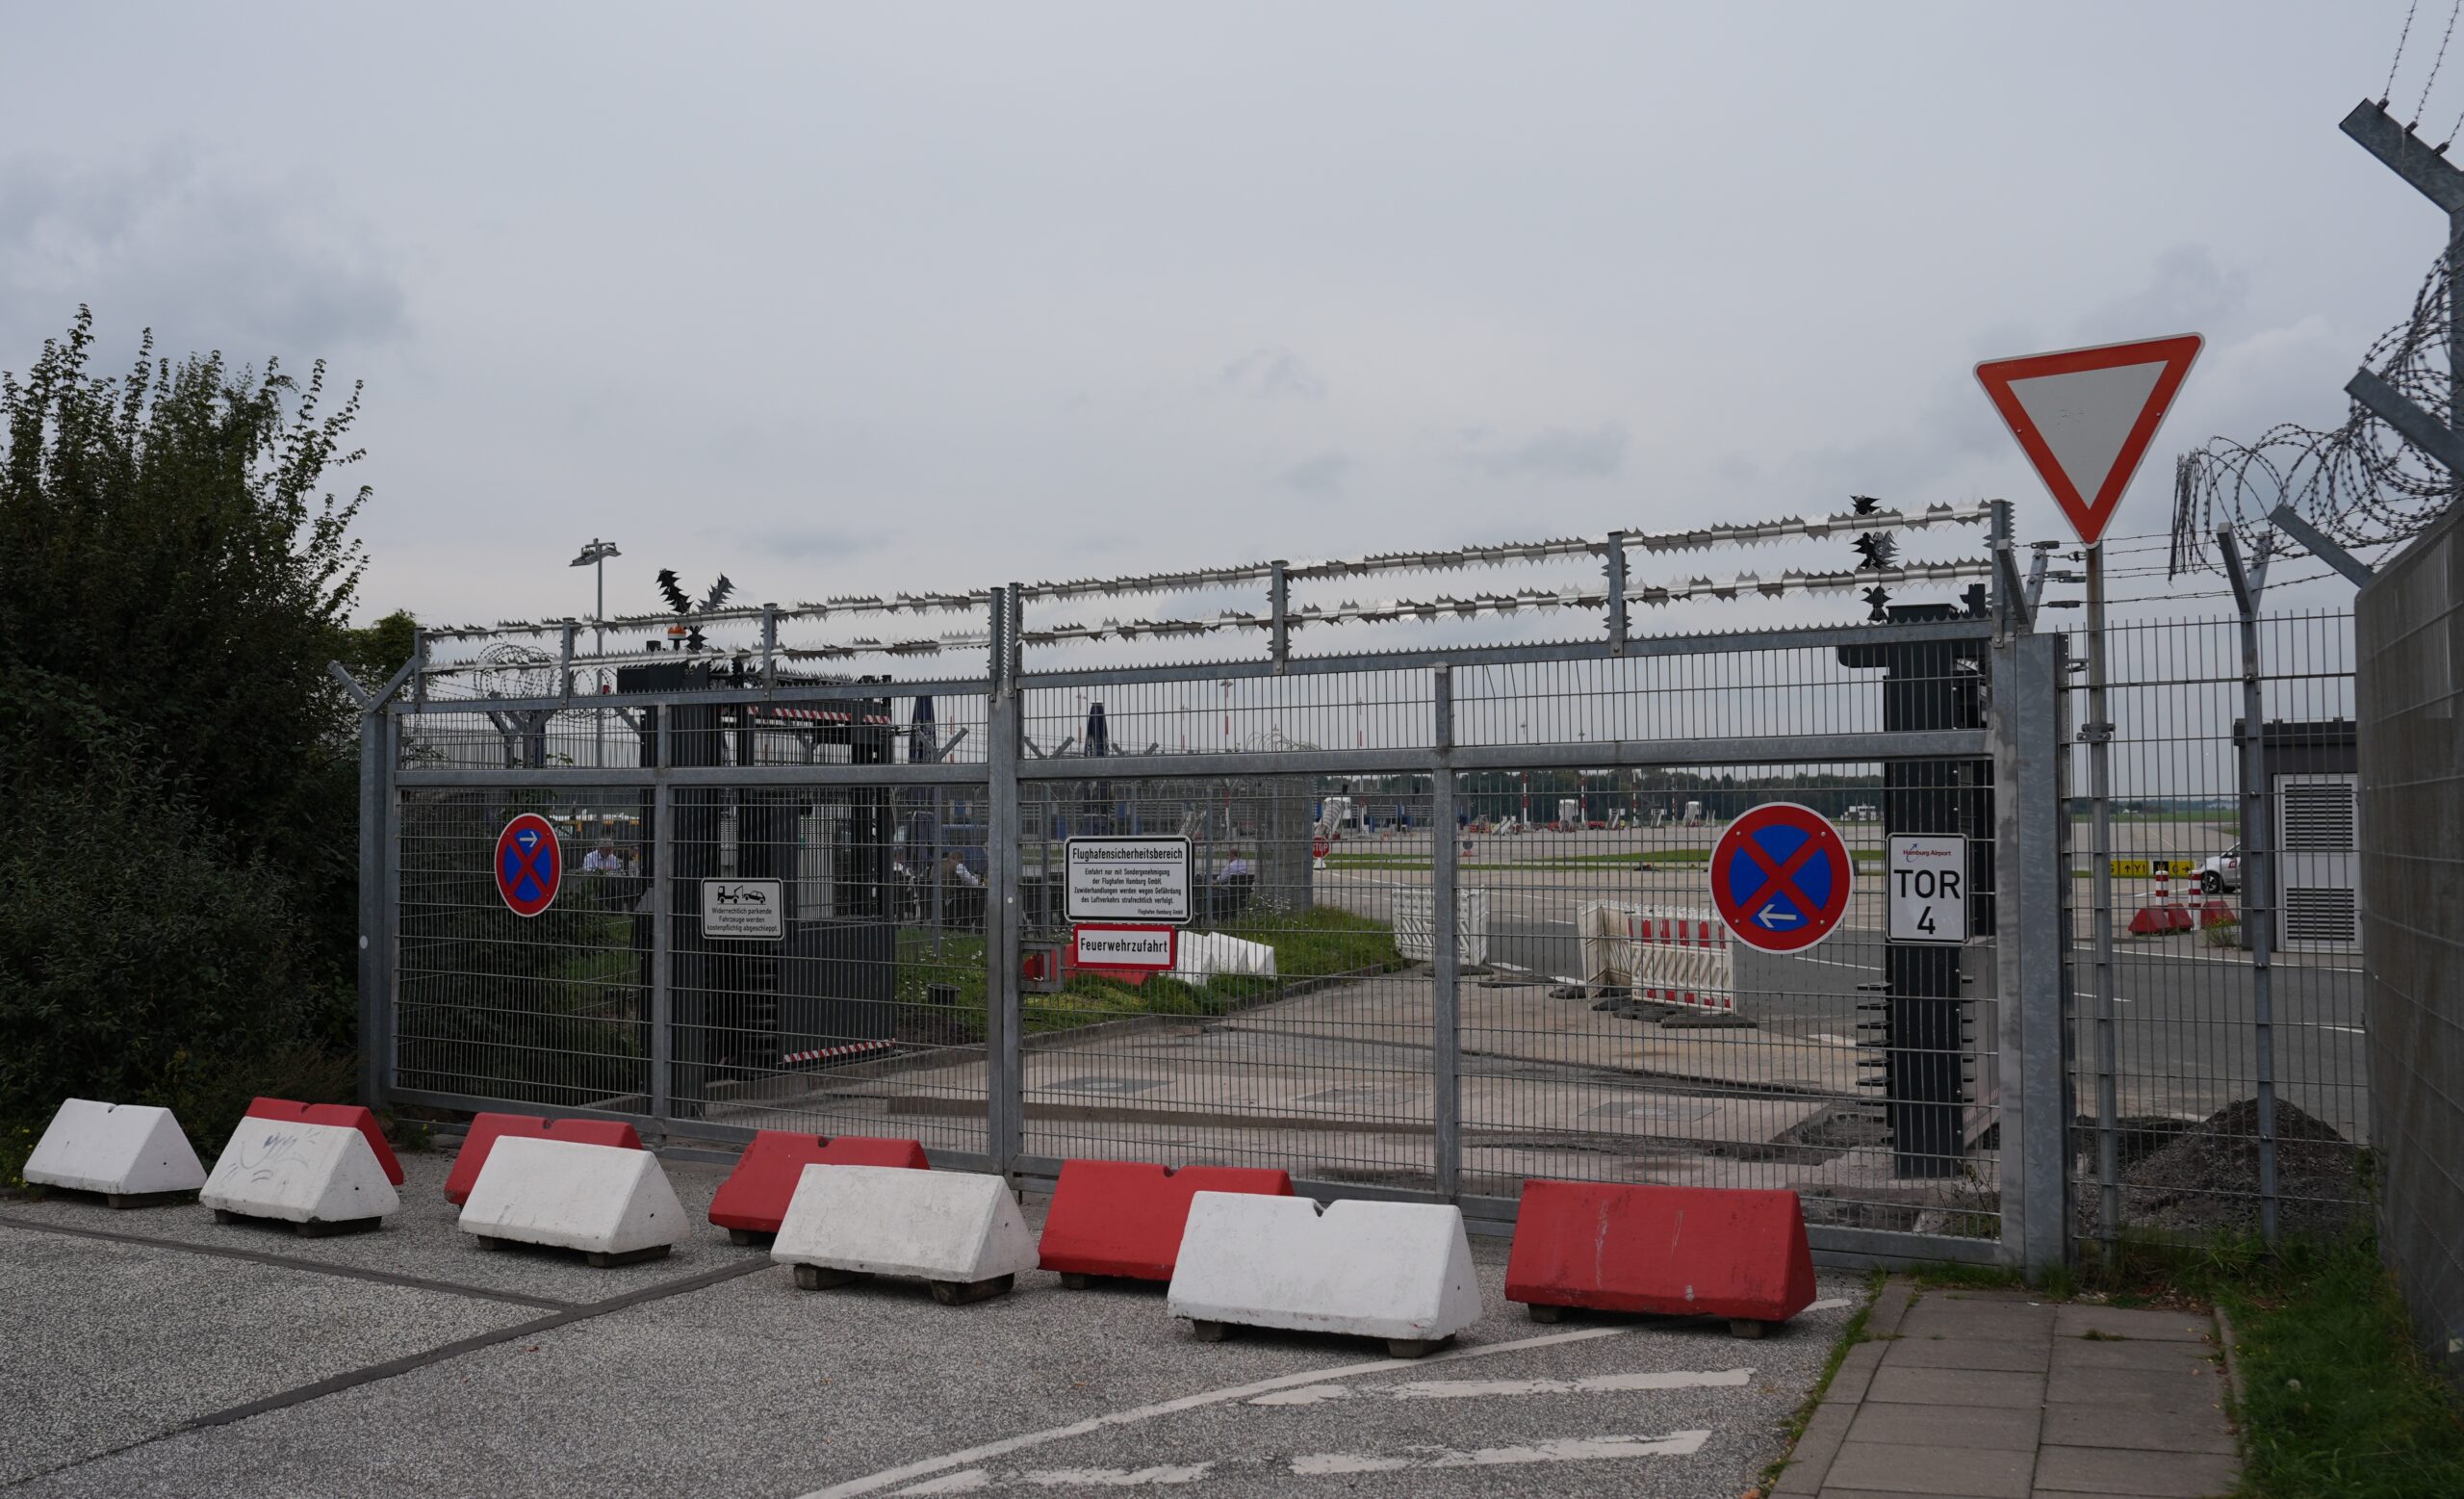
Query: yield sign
[2084, 417]
[1779, 876]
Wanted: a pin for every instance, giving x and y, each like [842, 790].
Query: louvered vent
[2318, 816]
[2322, 915]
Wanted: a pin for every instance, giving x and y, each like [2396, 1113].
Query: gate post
[1004, 1100]
[2031, 949]
[1446, 1034]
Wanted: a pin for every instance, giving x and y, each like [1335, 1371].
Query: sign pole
[2085, 418]
[2099, 733]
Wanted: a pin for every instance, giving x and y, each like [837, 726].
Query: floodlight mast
[597, 553]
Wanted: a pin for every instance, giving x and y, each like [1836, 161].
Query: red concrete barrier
[2156, 920]
[754, 1197]
[486, 1129]
[351, 1116]
[1124, 1218]
[1679, 1250]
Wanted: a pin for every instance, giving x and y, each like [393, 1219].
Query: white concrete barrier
[958, 1230]
[323, 1177]
[1198, 956]
[1397, 1271]
[133, 1153]
[1416, 924]
[612, 1204]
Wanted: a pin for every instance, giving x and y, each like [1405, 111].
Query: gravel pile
[2207, 1177]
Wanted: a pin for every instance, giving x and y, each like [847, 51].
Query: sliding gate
[1449, 928]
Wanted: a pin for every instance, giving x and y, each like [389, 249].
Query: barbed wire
[2361, 483]
[2436, 62]
[2398, 61]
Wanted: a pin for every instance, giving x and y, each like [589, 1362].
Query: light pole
[597, 554]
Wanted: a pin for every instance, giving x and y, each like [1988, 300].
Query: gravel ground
[109, 1344]
[752, 1388]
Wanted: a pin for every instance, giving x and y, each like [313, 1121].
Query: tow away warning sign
[744, 910]
[1137, 880]
[1928, 888]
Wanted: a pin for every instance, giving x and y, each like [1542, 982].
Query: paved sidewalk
[1994, 1395]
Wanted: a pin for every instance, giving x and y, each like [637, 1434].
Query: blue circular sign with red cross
[529, 864]
[1779, 875]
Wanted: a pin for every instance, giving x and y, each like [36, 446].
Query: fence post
[1445, 1036]
[1004, 1111]
[2032, 942]
[375, 782]
[2099, 732]
[662, 927]
[2258, 865]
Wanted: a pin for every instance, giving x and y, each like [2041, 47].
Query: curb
[2232, 1345]
[1808, 1463]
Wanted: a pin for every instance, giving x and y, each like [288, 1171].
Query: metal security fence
[2219, 955]
[2411, 621]
[1449, 921]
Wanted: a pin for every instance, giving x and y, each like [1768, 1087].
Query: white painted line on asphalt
[926, 1467]
[1327, 1465]
[1479, 1389]
[1558, 1448]
[1829, 1303]
[2350, 1030]
[975, 1481]
[1836, 1041]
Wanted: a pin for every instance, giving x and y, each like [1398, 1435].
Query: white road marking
[1830, 1301]
[1836, 1041]
[1559, 1449]
[2350, 1030]
[1118, 1478]
[926, 1467]
[1327, 1465]
[1481, 1389]
[975, 1481]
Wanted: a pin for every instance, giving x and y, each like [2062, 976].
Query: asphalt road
[309, 1367]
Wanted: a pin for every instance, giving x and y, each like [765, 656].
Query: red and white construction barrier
[1670, 955]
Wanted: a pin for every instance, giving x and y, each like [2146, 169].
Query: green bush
[136, 955]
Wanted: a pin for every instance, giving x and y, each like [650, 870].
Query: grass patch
[1316, 944]
[1850, 1337]
[2340, 1401]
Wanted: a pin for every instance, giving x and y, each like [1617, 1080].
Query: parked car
[2222, 873]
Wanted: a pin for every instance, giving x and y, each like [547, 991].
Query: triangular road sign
[2084, 417]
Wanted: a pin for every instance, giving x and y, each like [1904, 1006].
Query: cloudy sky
[853, 299]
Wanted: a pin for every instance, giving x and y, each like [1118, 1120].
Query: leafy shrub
[134, 953]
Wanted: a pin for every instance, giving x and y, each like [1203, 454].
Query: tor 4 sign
[1928, 891]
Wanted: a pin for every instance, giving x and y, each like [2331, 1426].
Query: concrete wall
[2411, 625]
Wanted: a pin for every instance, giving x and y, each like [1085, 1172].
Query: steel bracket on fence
[1279, 603]
[1616, 593]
